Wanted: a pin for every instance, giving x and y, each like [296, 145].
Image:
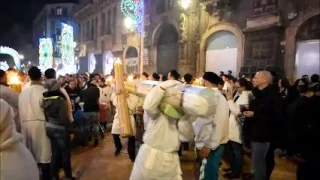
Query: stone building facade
[261, 34]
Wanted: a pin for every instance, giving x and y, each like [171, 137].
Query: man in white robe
[211, 133]
[33, 122]
[132, 101]
[158, 158]
[11, 97]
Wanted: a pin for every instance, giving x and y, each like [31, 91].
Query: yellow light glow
[13, 78]
[128, 22]
[185, 3]
[130, 77]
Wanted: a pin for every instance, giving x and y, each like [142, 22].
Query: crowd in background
[285, 118]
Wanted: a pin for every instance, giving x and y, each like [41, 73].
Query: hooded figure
[158, 158]
[13, 150]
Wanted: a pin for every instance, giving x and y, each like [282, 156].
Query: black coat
[268, 108]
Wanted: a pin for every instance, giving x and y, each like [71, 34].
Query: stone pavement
[99, 163]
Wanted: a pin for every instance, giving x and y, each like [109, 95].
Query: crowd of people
[257, 114]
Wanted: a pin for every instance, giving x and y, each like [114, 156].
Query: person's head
[302, 85]
[243, 85]
[188, 78]
[262, 79]
[34, 74]
[220, 85]
[96, 77]
[211, 79]
[283, 83]
[164, 78]
[154, 77]
[52, 85]
[315, 78]
[62, 79]
[102, 82]
[306, 77]
[3, 77]
[92, 83]
[50, 74]
[72, 84]
[173, 75]
[144, 76]
[229, 72]
[225, 78]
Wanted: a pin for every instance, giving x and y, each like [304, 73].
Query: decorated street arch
[15, 55]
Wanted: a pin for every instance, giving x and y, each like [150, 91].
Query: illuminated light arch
[15, 55]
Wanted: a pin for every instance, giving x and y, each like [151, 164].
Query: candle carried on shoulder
[179, 99]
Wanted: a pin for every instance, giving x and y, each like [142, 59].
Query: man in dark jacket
[58, 128]
[265, 113]
[90, 98]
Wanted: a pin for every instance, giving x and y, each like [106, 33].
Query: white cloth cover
[17, 163]
[34, 124]
[195, 100]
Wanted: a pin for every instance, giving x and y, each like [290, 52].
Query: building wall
[48, 24]
[265, 30]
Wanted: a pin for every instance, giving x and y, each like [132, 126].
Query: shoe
[233, 176]
[132, 160]
[96, 143]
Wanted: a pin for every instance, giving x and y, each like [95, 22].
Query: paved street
[100, 164]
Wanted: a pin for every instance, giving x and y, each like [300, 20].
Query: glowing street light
[185, 3]
[21, 56]
[128, 22]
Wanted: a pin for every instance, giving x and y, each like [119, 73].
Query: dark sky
[20, 12]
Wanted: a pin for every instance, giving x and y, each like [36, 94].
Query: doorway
[167, 49]
[307, 58]
[222, 52]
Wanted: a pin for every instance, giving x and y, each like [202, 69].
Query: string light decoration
[67, 44]
[45, 53]
[13, 53]
[134, 10]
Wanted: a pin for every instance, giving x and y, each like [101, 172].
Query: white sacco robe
[16, 161]
[133, 101]
[11, 97]
[157, 158]
[34, 124]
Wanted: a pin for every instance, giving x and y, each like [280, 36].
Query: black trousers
[61, 152]
[131, 145]
[45, 171]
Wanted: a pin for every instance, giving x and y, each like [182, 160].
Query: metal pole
[142, 41]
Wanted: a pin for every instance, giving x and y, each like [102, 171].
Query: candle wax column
[124, 117]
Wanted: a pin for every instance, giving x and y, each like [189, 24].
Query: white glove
[169, 83]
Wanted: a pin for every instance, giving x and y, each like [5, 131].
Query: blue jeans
[262, 160]
[211, 170]
[61, 152]
[234, 153]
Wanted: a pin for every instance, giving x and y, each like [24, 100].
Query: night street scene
[159, 89]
